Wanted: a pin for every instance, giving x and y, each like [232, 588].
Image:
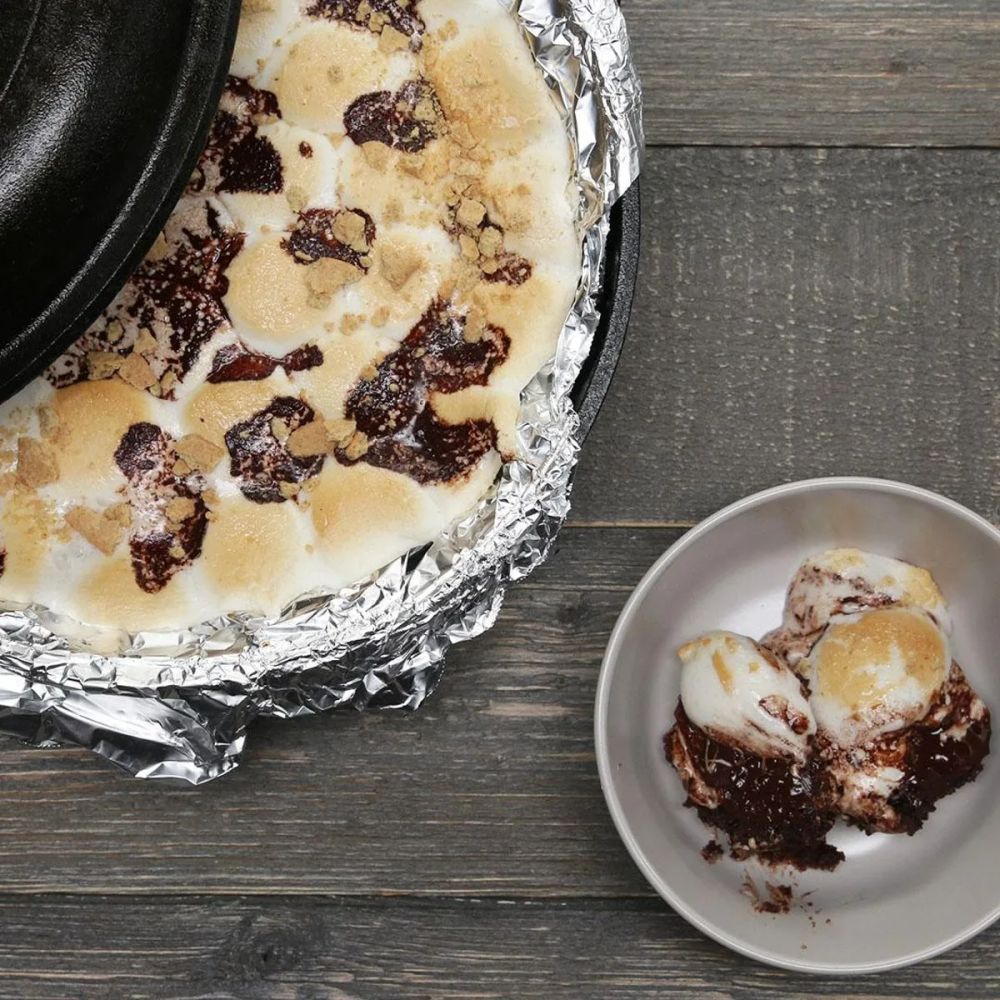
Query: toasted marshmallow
[848, 573]
[311, 245]
[835, 584]
[877, 672]
[736, 691]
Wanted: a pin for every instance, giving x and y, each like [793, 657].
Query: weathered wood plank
[248, 949]
[491, 789]
[802, 313]
[819, 72]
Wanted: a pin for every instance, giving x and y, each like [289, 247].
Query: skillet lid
[104, 109]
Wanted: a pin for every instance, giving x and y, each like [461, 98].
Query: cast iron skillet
[621, 271]
[104, 108]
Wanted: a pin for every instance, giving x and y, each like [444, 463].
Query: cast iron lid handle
[104, 109]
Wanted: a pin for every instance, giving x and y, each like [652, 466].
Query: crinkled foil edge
[178, 705]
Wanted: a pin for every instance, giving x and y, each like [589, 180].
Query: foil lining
[178, 705]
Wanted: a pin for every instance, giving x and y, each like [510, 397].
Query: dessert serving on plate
[846, 702]
[853, 708]
[319, 364]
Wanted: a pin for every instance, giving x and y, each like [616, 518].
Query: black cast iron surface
[621, 271]
[104, 108]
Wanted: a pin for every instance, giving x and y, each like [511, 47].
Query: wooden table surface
[820, 294]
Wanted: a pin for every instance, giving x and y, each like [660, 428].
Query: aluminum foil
[178, 705]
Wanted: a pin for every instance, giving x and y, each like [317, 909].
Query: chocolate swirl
[408, 119]
[260, 460]
[392, 408]
[237, 158]
[175, 297]
[373, 15]
[160, 545]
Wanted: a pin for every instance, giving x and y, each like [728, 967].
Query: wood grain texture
[803, 313]
[819, 72]
[490, 790]
[247, 949]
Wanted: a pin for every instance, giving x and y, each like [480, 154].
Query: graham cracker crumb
[351, 323]
[327, 276]
[356, 446]
[391, 40]
[340, 430]
[349, 228]
[135, 370]
[470, 213]
[48, 421]
[36, 465]
[448, 30]
[198, 453]
[399, 263]
[102, 365]
[145, 342]
[120, 513]
[180, 509]
[424, 110]
[490, 242]
[308, 441]
[103, 532]
[469, 247]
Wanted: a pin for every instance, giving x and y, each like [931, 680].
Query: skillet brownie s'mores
[319, 364]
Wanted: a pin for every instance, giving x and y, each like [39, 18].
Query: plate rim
[606, 772]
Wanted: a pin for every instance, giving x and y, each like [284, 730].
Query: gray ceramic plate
[896, 899]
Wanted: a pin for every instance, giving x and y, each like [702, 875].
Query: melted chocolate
[391, 119]
[864, 599]
[238, 363]
[932, 761]
[160, 549]
[401, 17]
[393, 411]
[712, 851]
[434, 452]
[3, 562]
[935, 766]
[771, 807]
[260, 461]
[777, 900]
[177, 298]
[237, 158]
[305, 150]
[312, 238]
